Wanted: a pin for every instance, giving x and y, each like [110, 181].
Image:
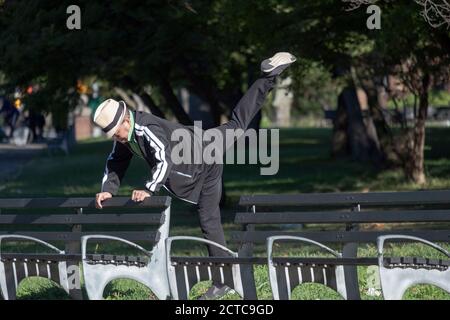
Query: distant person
[36, 123]
[10, 115]
[148, 136]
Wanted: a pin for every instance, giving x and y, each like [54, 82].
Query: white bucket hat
[109, 115]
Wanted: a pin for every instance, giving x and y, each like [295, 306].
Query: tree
[406, 47]
[410, 49]
[165, 44]
[213, 48]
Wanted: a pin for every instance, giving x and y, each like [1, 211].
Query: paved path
[13, 158]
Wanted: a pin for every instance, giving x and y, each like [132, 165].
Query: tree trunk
[205, 88]
[207, 92]
[351, 135]
[414, 164]
[131, 84]
[173, 103]
[154, 109]
[388, 156]
[282, 103]
[126, 97]
[146, 100]
[339, 143]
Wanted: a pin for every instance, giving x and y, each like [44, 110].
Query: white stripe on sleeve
[160, 155]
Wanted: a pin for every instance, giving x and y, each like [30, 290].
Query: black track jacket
[153, 136]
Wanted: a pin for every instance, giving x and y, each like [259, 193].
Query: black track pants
[208, 204]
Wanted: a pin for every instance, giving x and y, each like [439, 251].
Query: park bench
[340, 220]
[68, 228]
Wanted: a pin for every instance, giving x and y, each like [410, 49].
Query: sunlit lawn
[305, 166]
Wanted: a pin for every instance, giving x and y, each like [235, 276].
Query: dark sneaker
[215, 292]
[275, 65]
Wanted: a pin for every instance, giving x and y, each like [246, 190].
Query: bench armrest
[171, 239]
[273, 239]
[85, 239]
[382, 239]
[48, 245]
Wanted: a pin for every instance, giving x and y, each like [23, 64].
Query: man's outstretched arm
[116, 166]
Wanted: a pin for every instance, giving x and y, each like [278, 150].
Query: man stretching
[149, 137]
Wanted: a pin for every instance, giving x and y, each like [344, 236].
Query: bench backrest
[64, 221]
[77, 217]
[350, 209]
[343, 214]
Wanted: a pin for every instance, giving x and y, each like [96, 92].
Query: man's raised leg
[252, 101]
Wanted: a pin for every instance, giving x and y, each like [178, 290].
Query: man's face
[121, 134]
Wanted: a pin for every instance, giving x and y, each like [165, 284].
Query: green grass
[305, 166]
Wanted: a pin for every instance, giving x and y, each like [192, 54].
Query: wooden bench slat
[349, 199]
[339, 236]
[343, 217]
[122, 219]
[115, 202]
[148, 236]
